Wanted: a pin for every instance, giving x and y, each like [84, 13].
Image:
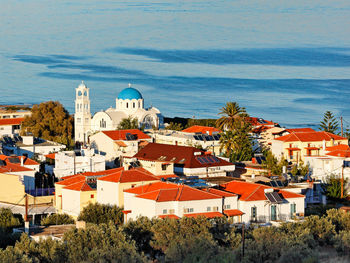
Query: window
[92, 196]
[171, 211]
[102, 123]
[127, 105]
[227, 206]
[208, 209]
[133, 104]
[253, 213]
[188, 210]
[273, 213]
[165, 211]
[164, 167]
[78, 120]
[215, 208]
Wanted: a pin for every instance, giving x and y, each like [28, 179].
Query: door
[273, 213]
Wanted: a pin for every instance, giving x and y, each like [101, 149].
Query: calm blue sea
[287, 61]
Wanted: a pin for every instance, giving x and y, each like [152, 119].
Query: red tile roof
[310, 137]
[219, 192]
[51, 156]
[104, 172]
[207, 214]
[132, 175]
[26, 160]
[14, 121]
[340, 147]
[188, 156]
[233, 212]
[300, 130]
[201, 129]
[256, 122]
[79, 186]
[10, 167]
[339, 153]
[150, 187]
[72, 180]
[121, 134]
[169, 216]
[181, 193]
[254, 192]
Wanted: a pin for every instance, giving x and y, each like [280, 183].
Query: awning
[208, 214]
[233, 212]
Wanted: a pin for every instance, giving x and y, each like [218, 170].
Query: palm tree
[230, 113]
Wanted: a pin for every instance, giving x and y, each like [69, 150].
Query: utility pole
[243, 240]
[342, 182]
[341, 125]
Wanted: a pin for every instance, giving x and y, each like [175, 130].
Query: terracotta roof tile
[188, 156]
[79, 186]
[218, 192]
[233, 212]
[340, 147]
[169, 216]
[13, 121]
[201, 129]
[72, 180]
[310, 137]
[254, 192]
[132, 175]
[300, 130]
[121, 134]
[151, 187]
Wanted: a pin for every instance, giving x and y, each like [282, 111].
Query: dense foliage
[57, 219]
[50, 121]
[174, 126]
[128, 123]
[271, 163]
[100, 213]
[329, 123]
[187, 122]
[332, 187]
[7, 222]
[192, 240]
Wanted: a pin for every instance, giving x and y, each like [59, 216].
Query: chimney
[22, 160]
[28, 140]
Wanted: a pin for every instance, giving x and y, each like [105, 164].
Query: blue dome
[129, 93]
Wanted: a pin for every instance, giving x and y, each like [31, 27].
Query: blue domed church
[129, 103]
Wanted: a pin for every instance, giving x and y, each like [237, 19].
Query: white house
[261, 203]
[9, 127]
[129, 103]
[110, 187]
[164, 199]
[116, 143]
[72, 162]
[162, 159]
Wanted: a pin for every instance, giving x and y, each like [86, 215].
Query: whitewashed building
[129, 103]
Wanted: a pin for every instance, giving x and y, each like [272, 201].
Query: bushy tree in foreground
[100, 213]
[57, 219]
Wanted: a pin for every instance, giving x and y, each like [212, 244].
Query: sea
[286, 61]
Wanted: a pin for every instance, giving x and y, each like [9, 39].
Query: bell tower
[82, 116]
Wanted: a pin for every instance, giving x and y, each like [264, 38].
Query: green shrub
[57, 219]
[100, 213]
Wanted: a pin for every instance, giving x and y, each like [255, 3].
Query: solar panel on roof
[200, 160]
[14, 160]
[279, 183]
[205, 159]
[210, 138]
[216, 137]
[274, 198]
[273, 183]
[2, 163]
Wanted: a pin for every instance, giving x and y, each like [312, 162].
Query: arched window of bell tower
[127, 105]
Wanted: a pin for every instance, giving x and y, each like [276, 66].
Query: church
[129, 103]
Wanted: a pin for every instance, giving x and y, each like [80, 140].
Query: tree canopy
[329, 123]
[128, 123]
[50, 121]
[101, 213]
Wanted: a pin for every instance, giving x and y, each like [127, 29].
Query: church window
[79, 93]
[78, 120]
[102, 123]
[127, 105]
[139, 105]
[133, 104]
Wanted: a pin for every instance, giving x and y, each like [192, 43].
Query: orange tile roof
[340, 147]
[233, 212]
[219, 192]
[121, 134]
[12, 121]
[79, 186]
[72, 180]
[132, 175]
[169, 216]
[26, 160]
[255, 122]
[120, 143]
[300, 130]
[10, 167]
[176, 154]
[309, 137]
[104, 172]
[179, 193]
[339, 153]
[51, 156]
[207, 214]
[201, 129]
[151, 187]
[254, 192]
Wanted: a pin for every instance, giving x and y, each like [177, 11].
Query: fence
[41, 191]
